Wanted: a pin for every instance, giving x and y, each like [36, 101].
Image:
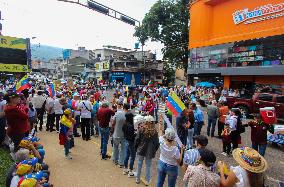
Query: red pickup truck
[259, 100]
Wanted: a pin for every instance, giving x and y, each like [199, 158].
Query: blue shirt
[191, 157]
[198, 115]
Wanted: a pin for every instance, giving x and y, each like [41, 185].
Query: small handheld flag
[23, 84]
[175, 105]
[51, 90]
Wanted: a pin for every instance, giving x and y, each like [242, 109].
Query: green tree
[167, 22]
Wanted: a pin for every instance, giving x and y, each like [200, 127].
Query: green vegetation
[5, 163]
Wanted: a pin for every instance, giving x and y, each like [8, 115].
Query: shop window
[280, 99]
[265, 97]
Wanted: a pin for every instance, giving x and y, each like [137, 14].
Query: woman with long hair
[146, 145]
[249, 172]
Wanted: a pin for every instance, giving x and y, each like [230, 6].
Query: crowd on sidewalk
[135, 137]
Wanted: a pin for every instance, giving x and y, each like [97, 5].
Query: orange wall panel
[212, 24]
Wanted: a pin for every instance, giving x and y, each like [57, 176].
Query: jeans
[40, 113]
[165, 169]
[85, 128]
[50, 121]
[260, 148]
[94, 125]
[67, 147]
[104, 140]
[227, 147]
[57, 119]
[130, 153]
[75, 131]
[118, 156]
[198, 127]
[148, 167]
[190, 138]
[211, 126]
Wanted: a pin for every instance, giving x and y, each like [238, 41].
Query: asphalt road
[86, 169]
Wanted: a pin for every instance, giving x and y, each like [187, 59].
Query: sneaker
[120, 166]
[147, 183]
[130, 174]
[137, 181]
[223, 153]
[125, 171]
[69, 157]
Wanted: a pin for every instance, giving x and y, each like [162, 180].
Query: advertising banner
[13, 42]
[14, 68]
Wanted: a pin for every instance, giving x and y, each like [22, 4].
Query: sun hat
[138, 120]
[170, 134]
[30, 182]
[250, 159]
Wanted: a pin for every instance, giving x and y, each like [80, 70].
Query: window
[280, 99]
[99, 55]
[265, 97]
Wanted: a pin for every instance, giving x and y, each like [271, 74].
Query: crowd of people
[134, 136]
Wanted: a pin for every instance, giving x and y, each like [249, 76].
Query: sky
[67, 25]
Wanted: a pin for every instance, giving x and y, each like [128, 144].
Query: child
[32, 117]
[226, 139]
[66, 130]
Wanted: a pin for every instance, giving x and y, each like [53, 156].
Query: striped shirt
[191, 157]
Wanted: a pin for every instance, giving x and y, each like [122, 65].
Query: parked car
[259, 100]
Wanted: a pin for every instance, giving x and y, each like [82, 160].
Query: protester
[259, 134]
[226, 139]
[39, 103]
[182, 125]
[190, 134]
[50, 114]
[170, 157]
[146, 145]
[129, 134]
[104, 115]
[94, 119]
[201, 174]
[249, 172]
[58, 111]
[118, 135]
[2, 118]
[85, 108]
[17, 119]
[223, 111]
[199, 118]
[213, 114]
[232, 120]
[32, 116]
[66, 130]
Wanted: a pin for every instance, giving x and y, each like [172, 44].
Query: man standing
[94, 119]
[213, 114]
[104, 114]
[118, 135]
[39, 103]
[182, 126]
[50, 114]
[77, 113]
[58, 111]
[198, 119]
[86, 108]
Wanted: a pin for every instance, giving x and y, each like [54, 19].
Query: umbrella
[205, 84]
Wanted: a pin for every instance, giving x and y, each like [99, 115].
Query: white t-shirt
[168, 155]
[57, 107]
[15, 180]
[77, 112]
[85, 107]
[50, 104]
[242, 176]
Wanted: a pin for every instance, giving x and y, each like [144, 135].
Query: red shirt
[259, 132]
[17, 120]
[104, 114]
[97, 96]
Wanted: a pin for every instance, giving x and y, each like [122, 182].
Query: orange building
[238, 41]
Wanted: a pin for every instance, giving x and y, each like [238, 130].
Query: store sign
[118, 73]
[13, 43]
[14, 68]
[262, 13]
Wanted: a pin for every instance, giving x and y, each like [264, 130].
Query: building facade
[240, 42]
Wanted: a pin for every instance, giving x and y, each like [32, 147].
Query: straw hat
[250, 159]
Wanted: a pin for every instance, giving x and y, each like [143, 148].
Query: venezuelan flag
[175, 105]
[51, 90]
[23, 84]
